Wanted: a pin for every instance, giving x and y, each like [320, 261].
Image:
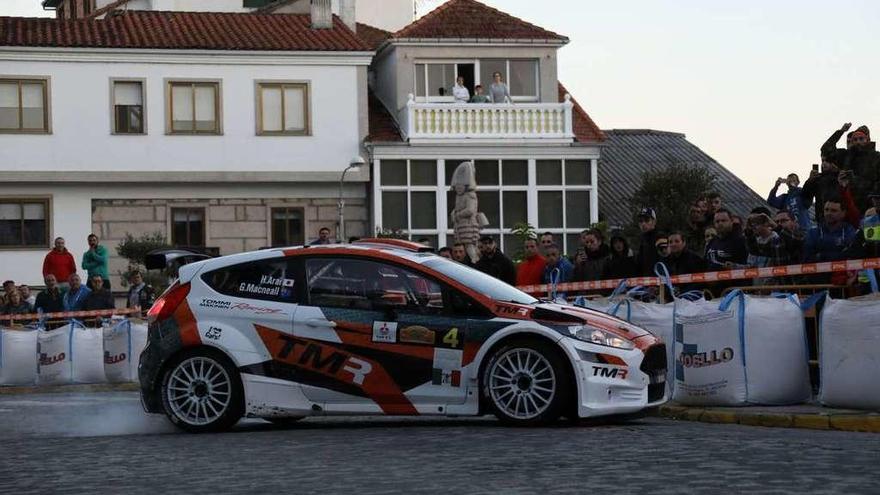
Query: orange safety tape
[735, 274]
[71, 314]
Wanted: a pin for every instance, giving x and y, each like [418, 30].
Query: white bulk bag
[709, 367]
[123, 344]
[54, 356]
[849, 353]
[777, 358]
[18, 357]
[88, 354]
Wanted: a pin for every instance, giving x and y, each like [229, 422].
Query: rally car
[382, 327]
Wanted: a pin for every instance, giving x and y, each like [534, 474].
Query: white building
[231, 130]
[209, 128]
[536, 160]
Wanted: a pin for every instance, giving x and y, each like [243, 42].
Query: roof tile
[585, 130]
[469, 19]
[182, 31]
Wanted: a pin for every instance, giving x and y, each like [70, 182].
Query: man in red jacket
[59, 262]
[531, 269]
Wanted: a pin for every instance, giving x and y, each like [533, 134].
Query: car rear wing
[172, 259]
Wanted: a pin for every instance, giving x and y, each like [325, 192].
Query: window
[370, 285]
[287, 227]
[194, 108]
[188, 227]
[556, 195]
[283, 109]
[24, 105]
[434, 80]
[128, 107]
[267, 280]
[23, 223]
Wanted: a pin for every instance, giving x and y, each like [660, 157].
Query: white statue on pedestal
[466, 219]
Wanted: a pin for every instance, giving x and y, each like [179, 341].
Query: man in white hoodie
[460, 92]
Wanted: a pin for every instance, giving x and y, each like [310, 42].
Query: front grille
[654, 365]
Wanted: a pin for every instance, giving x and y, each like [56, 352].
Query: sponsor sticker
[215, 303]
[385, 331]
[446, 370]
[415, 334]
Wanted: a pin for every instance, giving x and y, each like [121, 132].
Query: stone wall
[232, 225]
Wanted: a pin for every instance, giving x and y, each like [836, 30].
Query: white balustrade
[487, 121]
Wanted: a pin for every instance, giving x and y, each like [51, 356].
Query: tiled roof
[629, 153]
[469, 19]
[182, 31]
[383, 128]
[372, 36]
[585, 130]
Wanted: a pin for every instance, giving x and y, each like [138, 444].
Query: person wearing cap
[860, 156]
[494, 263]
[646, 256]
[792, 200]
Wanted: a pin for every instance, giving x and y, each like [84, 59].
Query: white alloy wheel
[198, 391]
[522, 383]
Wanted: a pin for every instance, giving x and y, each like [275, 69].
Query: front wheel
[526, 383]
[202, 393]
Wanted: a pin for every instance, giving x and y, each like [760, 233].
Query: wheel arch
[525, 333]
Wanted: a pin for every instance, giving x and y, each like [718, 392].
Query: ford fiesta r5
[380, 328]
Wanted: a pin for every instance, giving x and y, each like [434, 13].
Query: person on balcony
[498, 91]
[479, 97]
[460, 92]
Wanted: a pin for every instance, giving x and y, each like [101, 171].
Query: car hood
[578, 315]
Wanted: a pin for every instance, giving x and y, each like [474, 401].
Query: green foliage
[670, 191]
[135, 250]
[522, 231]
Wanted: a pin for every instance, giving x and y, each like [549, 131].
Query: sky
[758, 85]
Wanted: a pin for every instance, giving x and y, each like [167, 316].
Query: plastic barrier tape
[736, 274]
[70, 314]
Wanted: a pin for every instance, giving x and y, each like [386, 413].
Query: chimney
[322, 14]
[348, 13]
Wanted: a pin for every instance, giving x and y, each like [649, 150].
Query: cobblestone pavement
[104, 443]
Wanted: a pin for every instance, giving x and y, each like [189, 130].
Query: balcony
[488, 123]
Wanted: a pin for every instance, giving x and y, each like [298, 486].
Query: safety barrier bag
[54, 355]
[123, 343]
[849, 353]
[18, 357]
[745, 350]
[87, 354]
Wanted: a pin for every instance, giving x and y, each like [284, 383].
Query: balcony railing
[488, 122]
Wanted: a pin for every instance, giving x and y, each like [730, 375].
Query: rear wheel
[526, 383]
[202, 392]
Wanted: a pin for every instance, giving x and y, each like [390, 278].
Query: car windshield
[484, 284]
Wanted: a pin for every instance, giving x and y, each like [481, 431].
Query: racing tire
[202, 392]
[526, 383]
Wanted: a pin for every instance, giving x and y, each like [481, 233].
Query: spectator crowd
[64, 289]
[834, 216]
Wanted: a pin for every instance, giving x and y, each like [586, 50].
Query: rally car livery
[380, 327]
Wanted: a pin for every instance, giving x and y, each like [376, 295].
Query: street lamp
[355, 163]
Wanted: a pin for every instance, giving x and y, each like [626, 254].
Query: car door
[375, 332]
[246, 306]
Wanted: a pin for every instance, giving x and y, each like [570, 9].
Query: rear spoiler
[172, 259]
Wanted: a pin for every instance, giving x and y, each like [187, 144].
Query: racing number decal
[451, 338]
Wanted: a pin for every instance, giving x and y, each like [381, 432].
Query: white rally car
[380, 327]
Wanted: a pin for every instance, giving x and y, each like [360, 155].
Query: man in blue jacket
[833, 239]
[792, 201]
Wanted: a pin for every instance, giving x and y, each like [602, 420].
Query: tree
[671, 191]
[135, 250]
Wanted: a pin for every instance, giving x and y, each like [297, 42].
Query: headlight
[598, 336]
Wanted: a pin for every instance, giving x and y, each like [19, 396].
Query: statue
[466, 220]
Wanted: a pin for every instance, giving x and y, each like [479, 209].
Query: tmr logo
[323, 359]
[604, 372]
